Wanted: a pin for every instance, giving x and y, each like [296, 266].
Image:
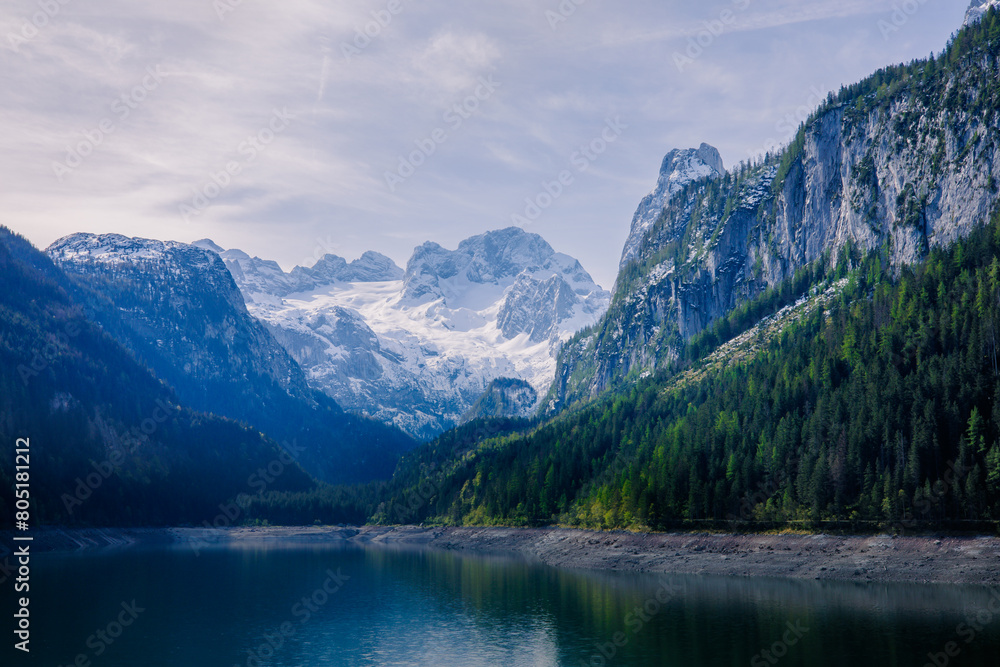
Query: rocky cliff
[906, 160]
[680, 168]
[978, 9]
[504, 398]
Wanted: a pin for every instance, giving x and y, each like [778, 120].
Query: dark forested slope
[109, 443]
[178, 310]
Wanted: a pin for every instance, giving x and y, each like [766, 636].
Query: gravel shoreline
[882, 558]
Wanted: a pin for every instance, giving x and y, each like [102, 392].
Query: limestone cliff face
[900, 163]
[679, 169]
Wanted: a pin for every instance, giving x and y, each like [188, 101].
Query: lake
[352, 605]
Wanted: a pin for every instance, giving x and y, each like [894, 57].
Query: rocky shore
[883, 558]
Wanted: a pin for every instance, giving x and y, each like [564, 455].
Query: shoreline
[862, 559]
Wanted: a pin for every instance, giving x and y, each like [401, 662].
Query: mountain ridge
[256, 275]
[112, 443]
[177, 308]
[903, 161]
[419, 350]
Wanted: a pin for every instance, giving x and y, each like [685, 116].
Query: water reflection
[283, 607]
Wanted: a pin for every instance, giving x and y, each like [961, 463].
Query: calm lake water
[306, 606]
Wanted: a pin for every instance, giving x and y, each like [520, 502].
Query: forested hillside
[178, 310]
[879, 407]
[109, 443]
[884, 407]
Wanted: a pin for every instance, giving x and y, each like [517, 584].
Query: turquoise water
[305, 606]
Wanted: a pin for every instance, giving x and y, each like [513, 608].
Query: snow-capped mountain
[177, 309]
[418, 348]
[977, 9]
[265, 277]
[679, 168]
[108, 258]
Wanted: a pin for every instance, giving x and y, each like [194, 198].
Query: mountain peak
[977, 9]
[115, 248]
[208, 244]
[710, 155]
[683, 166]
[485, 259]
[680, 167]
[256, 276]
[419, 351]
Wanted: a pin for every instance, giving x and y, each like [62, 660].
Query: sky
[299, 128]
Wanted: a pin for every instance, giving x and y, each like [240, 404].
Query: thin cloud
[323, 176]
[751, 20]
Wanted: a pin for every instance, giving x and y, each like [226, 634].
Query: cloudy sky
[282, 128]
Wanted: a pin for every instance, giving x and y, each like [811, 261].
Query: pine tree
[975, 435]
[993, 470]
